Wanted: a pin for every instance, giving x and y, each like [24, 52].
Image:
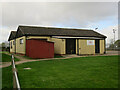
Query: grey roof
[50, 31]
[12, 35]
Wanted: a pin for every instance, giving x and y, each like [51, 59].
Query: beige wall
[21, 48]
[12, 50]
[76, 46]
[89, 49]
[86, 49]
[102, 46]
[59, 46]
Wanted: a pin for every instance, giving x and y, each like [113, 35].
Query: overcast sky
[90, 15]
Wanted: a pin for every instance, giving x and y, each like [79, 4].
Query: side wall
[102, 46]
[59, 46]
[12, 50]
[86, 49]
[21, 48]
[77, 46]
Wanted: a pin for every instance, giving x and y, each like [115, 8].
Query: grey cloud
[52, 13]
[69, 14]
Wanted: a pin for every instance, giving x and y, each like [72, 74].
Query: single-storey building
[66, 40]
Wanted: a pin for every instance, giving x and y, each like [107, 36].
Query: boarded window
[21, 41]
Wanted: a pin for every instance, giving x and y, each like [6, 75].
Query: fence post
[16, 84]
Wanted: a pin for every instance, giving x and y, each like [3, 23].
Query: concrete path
[24, 60]
[113, 52]
[108, 53]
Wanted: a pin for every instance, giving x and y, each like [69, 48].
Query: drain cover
[27, 68]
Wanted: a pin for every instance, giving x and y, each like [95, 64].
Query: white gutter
[64, 37]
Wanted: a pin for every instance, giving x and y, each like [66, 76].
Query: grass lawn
[7, 58]
[7, 78]
[82, 72]
[58, 56]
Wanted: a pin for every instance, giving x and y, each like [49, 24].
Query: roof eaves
[100, 34]
[12, 35]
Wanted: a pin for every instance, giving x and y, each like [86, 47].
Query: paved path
[24, 60]
[113, 52]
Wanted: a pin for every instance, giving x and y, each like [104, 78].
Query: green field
[58, 56]
[7, 58]
[82, 72]
[7, 79]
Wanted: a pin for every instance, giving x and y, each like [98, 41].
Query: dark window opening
[70, 46]
[97, 46]
[13, 42]
[21, 41]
